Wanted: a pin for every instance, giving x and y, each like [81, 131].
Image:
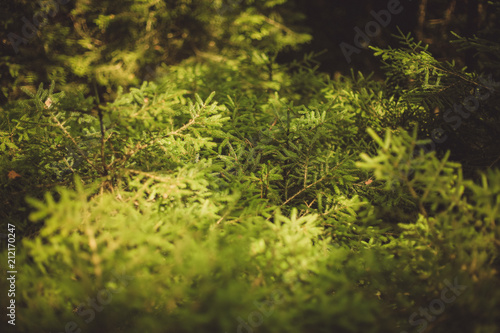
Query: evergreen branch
[299, 192]
[82, 154]
[415, 196]
[278, 25]
[449, 72]
[147, 174]
[140, 147]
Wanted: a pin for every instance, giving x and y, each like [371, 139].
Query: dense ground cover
[235, 193]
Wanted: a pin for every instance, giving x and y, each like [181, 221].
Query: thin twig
[139, 147]
[302, 190]
[74, 142]
[147, 174]
[278, 25]
[103, 159]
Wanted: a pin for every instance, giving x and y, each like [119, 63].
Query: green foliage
[98, 46]
[457, 109]
[234, 188]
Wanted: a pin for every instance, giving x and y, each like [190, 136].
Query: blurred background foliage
[95, 46]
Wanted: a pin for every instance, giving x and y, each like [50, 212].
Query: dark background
[333, 22]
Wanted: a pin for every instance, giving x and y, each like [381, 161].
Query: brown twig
[139, 147]
[82, 154]
[103, 158]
